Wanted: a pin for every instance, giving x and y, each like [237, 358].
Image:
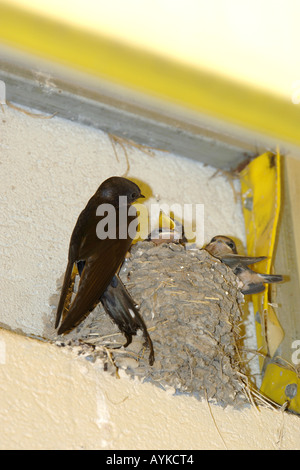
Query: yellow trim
[261, 197]
[261, 194]
[172, 81]
[275, 383]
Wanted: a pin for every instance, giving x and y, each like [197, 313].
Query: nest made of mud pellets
[191, 305]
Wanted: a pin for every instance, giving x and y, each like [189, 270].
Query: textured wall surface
[53, 400]
[49, 397]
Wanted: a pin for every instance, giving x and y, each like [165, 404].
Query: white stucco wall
[53, 400]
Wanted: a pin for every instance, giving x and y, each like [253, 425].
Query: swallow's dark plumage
[224, 249]
[120, 306]
[97, 261]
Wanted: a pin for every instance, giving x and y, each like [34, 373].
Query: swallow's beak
[141, 196]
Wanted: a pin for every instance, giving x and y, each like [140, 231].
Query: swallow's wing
[253, 281]
[120, 306]
[233, 260]
[269, 278]
[97, 273]
[78, 243]
[253, 288]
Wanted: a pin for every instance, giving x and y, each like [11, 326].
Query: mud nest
[191, 305]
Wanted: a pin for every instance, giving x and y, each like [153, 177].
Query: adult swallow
[224, 248]
[97, 261]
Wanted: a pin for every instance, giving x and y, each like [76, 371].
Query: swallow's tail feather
[67, 285]
[269, 278]
[120, 306]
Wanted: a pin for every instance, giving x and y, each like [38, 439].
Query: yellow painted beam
[261, 197]
[261, 185]
[171, 81]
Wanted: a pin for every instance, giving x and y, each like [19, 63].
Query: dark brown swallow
[224, 248]
[98, 260]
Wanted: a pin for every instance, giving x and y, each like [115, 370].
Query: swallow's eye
[231, 245]
[134, 196]
[213, 240]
